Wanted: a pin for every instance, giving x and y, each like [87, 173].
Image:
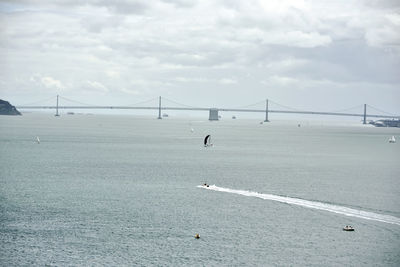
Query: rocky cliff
[8, 109]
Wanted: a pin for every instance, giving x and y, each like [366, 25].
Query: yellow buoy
[197, 236]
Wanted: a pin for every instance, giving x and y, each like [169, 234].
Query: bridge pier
[159, 108]
[266, 112]
[365, 114]
[213, 116]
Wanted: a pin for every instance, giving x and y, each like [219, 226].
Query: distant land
[386, 123]
[7, 109]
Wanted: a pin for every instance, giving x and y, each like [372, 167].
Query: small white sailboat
[207, 141]
[392, 139]
[37, 140]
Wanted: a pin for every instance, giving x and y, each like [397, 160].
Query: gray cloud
[182, 3]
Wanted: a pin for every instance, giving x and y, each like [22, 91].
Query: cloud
[227, 81]
[95, 86]
[277, 80]
[297, 39]
[182, 3]
[116, 6]
[190, 79]
[387, 34]
[112, 74]
[50, 82]
[99, 22]
[124, 6]
[130, 91]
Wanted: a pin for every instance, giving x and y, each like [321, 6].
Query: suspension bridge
[213, 112]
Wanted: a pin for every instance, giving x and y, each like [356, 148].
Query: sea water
[125, 190]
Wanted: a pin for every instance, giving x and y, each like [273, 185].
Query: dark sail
[206, 139]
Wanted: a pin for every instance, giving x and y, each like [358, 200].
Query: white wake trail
[311, 204]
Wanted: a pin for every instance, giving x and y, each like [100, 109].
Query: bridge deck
[219, 109]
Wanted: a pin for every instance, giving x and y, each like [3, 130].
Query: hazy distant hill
[8, 109]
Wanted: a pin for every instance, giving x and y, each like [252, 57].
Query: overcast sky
[315, 55]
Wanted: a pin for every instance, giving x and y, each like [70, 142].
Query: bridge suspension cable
[143, 102]
[377, 109]
[77, 102]
[287, 107]
[263, 103]
[251, 105]
[177, 103]
[358, 108]
[40, 101]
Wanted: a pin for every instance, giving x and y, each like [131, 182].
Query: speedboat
[348, 228]
[392, 139]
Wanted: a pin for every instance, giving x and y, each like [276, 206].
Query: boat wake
[311, 204]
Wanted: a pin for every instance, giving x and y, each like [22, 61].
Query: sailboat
[37, 140]
[392, 139]
[207, 141]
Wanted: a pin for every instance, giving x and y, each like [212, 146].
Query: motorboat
[392, 139]
[348, 228]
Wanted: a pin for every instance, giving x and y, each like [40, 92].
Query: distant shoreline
[227, 120]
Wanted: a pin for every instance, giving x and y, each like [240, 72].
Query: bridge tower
[266, 111]
[159, 108]
[365, 114]
[57, 115]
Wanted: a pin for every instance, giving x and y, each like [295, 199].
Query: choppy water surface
[124, 190]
